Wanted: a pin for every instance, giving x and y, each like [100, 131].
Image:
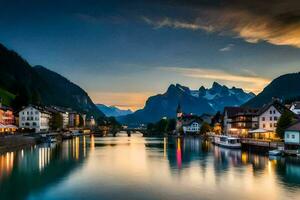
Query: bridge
[129, 131]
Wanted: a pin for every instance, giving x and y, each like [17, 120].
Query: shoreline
[15, 142]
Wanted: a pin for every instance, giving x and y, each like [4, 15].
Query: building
[74, 119]
[270, 114]
[295, 107]
[188, 123]
[7, 120]
[238, 120]
[292, 137]
[34, 117]
[192, 127]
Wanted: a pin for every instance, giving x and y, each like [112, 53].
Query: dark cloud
[276, 22]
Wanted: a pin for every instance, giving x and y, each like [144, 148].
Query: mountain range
[22, 84]
[204, 100]
[112, 111]
[285, 87]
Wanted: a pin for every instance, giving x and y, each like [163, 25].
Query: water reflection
[145, 168]
[37, 167]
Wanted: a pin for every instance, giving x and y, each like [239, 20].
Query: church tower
[178, 118]
[178, 111]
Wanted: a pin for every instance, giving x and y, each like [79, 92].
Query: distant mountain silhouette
[192, 101]
[284, 87]
[112, 111]
[39, 85]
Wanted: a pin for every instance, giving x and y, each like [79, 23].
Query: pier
[262, 144]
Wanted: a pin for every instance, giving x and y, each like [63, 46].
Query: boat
[275, 152]
[227, 141]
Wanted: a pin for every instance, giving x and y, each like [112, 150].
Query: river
[144, 168]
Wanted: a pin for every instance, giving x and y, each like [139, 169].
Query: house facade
[238, 121]
[292, 137]
[7, 120]
[189, 123]
[34, 117]
[193, 127]
[269, 117]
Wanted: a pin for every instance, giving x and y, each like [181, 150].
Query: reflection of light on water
[84, 146]
[165, 148]
[77, 148]
[44, 157]
[244, 157]
[6, 163]
[178, 154]
[92, 143]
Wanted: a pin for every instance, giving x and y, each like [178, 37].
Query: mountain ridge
[112, 111]
[204, 100]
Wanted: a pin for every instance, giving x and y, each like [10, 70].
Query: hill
[284, 87]
[39, 85]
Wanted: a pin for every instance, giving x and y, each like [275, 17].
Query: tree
[56, 121]
[171, 125]
[81, 122]
[284, 122]
[205, 128]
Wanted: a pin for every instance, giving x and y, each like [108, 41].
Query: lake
[135, 167]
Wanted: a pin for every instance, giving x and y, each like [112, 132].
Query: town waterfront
[144, 168]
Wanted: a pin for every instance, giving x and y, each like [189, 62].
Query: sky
[122, 52]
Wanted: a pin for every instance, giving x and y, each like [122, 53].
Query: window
[36, 112]
[263, 119]
[270, 111]
[271, 125]
[274, 111]
[33, 124]
[270, 118]
[264, 126]
[23, 118]
[275, 118]
[275, 124]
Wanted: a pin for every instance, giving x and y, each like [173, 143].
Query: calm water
[144, 168]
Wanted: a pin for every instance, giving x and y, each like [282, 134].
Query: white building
[292, 137]
[34, 117]
[295, 107]
[193, 127]
[269, 116]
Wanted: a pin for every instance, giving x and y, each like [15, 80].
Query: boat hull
[228, 146]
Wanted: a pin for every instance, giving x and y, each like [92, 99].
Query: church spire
[179, 111]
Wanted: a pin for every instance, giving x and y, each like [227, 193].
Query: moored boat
[275, 152]
[227, 141]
